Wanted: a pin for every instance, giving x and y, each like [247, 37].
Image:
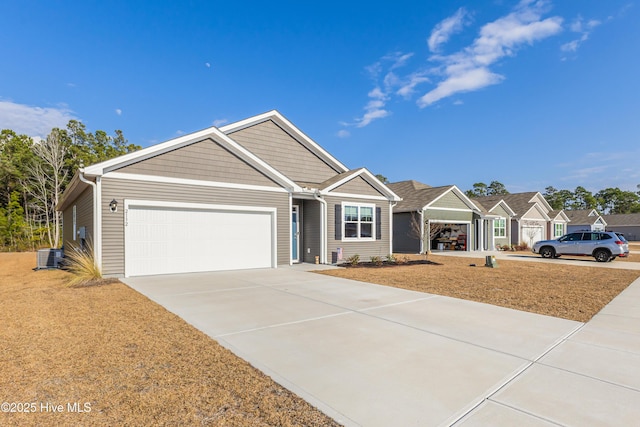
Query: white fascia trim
[145, 153]
[184, 181]
[201, 206]
[540, 210]
[467, 201]
[505, 206]
[447, 209]
[290, 128]
[450, 221]
[540, 198]
[354, 196]
[391, 196]
[212, 134]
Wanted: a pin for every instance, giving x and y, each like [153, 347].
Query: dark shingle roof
[581, 216]
[416, 195]
[518, 202]
[622, 219]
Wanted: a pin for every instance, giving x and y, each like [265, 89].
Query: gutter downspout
[421, 212]
[323, 227]
[97, 235]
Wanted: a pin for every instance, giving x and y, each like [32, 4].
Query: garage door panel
[161, 240]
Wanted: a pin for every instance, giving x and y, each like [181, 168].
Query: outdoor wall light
[113, 206]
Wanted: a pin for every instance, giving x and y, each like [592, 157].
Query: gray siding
[449, 200]
[113, 223]
[365, 249]
[357, 186]
[499, 210]
[84, 218]
[310, 245]
[280, 150]
[631, 232]
[453, 216]
[205, 160]
[403, 241]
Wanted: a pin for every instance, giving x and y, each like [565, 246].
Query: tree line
[35, 172]
[607, 201]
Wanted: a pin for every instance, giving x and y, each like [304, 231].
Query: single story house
[627, 224]
[585, 219]
[495, 219]
[534, 218]
[444, 217]
[252, 194]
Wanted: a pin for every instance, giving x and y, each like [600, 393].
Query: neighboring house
[496, 224]
[534, 218]
[252, 194]
[627, 224]
[448, 215]
[585, 219]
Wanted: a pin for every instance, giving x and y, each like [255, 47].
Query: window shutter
[378, 223]
[338, 230]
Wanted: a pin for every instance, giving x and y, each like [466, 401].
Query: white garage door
[531, 234]
[191, 238]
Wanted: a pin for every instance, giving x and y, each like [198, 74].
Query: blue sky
[529, 93]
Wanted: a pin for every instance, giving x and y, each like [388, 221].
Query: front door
[295, 233]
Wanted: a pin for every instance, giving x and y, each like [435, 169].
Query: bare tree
[531, 232]
[48, 175]
[425, 232]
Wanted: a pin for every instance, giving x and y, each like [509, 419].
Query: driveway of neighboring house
[372, 355]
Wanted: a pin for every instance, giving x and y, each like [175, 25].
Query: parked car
[602, 245]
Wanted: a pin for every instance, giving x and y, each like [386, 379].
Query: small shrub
[392, 258]
[81, 263]
[354, 259]
[376, 260]
[403, 259]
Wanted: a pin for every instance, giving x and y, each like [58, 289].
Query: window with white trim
[358, 221]
[500, 227]
[558, 230]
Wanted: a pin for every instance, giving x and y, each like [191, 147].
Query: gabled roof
[211, 133]
[490, 204]
[519, 203]
[418, 196]
[584, 216]
[291, 129]
[558, 215]
[344, 177]
[622, 219]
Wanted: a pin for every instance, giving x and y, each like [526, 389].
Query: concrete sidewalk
[379, 356]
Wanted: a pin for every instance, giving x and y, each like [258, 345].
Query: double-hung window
[500, 227]
[558, 230]
[358, 221]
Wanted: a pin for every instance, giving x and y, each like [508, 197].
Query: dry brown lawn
[132, 361]
[569, 292]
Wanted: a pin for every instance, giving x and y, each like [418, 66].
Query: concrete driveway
[378, 356]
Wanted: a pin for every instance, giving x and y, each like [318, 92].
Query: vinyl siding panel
[403, 242]
[365, 249]
[533, 214]
[113, 223]
[358, 185]
[449, 200]
[84, 218]
[283, 152]
[631, 232]
[205, 160]
[443, 215]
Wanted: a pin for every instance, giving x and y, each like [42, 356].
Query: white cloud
[468, 70]
[584, 29]
[118, 111]
[220, 122]
[446, 28]
[207, 64]
[343, 133]
[33, 121]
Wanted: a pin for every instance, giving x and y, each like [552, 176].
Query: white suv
[602, 245]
